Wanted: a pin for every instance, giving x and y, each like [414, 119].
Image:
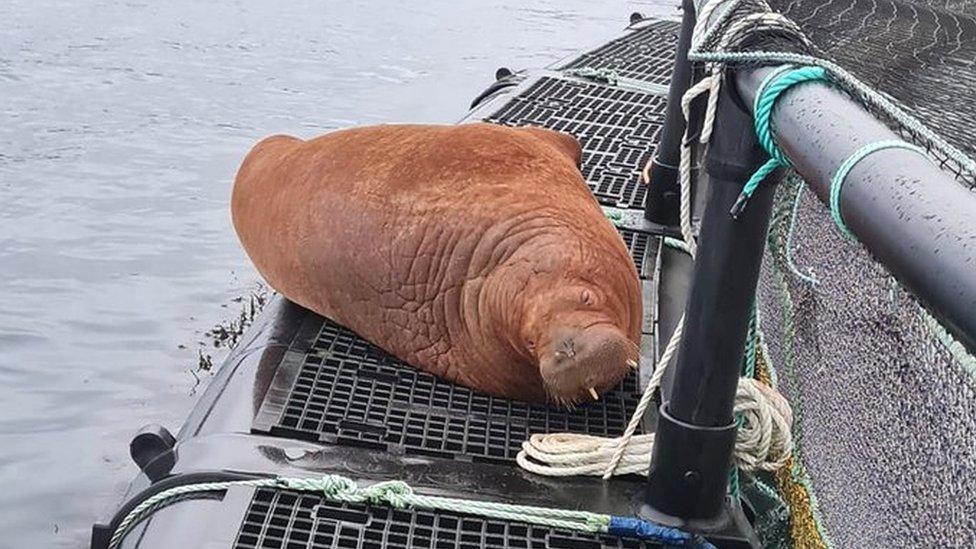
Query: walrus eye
[586, 298]
[530, 345]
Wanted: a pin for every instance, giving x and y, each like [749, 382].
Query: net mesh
[920, 53]
[886, 414]
[886, 419]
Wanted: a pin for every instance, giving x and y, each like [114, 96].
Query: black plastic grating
[637, 244]
[348, 391]
[351, 392]
[617, 129]
[646, 54]
[281, 519]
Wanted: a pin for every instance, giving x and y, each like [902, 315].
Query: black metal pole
[661, 205]
[696, 430]
[913, 217]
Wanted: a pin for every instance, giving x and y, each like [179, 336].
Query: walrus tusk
[593, 393]
[632, 363]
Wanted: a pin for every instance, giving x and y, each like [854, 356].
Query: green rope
[616, 218]
[764, 347]
[837, 182]
[956, 349]
[772, 88]
[749, 360]
[794, 213]
[400, 495]
[798, 472]
[748, 370]
[768, 491]
[677, 244]
[156, 501]
[838, 75]
[735, 485]
[800, 475]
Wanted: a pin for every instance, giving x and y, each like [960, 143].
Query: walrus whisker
[558, 400]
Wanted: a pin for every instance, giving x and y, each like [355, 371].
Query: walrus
[475, 252]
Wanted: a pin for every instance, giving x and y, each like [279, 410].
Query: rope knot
[769, 92]
[393, 492]
[332, 486]
[765, 437]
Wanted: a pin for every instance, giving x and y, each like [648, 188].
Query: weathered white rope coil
[763, 441]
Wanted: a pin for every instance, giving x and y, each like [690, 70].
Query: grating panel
[646, 54]
[348, 391]
[637, 243]
[351, 392]
[617, 129]
[281, 519]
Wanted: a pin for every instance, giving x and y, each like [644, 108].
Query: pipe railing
[914, 218]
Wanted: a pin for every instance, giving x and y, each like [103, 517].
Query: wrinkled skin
[474, 252]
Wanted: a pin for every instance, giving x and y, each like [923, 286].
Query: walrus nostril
[568, 347]
[600, 356]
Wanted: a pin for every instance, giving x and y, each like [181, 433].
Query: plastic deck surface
[337, 388]
[643, 55]
[616, 128]
[290, 520]
[348, 391]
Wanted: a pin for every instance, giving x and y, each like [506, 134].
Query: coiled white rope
[763, 442]
[764, 439]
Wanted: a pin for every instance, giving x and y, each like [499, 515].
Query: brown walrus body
[475, 252]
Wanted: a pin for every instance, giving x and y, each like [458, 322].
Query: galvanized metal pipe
[912, 216]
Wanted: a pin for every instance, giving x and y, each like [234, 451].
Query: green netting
[885, 414]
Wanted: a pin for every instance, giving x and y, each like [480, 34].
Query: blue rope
[837, 182]
[626, 527]
[772, 88]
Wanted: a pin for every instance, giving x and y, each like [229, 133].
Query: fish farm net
[921, 53]
[885, 399]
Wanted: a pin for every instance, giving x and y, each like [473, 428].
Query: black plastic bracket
[504, 78]
[704, 464]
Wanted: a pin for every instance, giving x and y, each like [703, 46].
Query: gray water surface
[121, 126]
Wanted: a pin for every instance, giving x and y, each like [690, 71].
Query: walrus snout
[578, 360]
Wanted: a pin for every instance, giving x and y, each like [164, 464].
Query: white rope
[764, 439]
